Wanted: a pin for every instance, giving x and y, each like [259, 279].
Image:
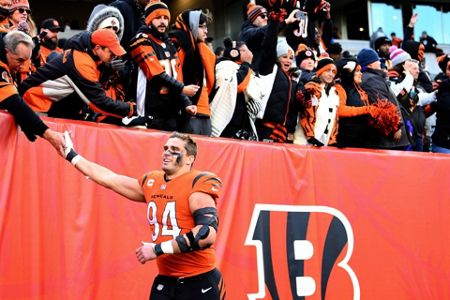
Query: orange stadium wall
[295, 222]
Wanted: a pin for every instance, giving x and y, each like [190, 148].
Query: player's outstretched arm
[126, 186]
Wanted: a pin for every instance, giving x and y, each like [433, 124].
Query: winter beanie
[155, 8]
[324, 64]
[283, 47]
[253, 11]
[346, 68]
[231, 51]
[103, 16]
[367, 56]
[19, 3]
[398, 56]
[303, 52]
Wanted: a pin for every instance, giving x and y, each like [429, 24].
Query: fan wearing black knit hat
[381, 44]
[319, 120]
[160, 92]
[229, 115]
[306, 61]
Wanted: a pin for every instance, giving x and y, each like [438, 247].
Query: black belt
[181, 280]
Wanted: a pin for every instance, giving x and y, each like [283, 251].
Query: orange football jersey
[169, 215]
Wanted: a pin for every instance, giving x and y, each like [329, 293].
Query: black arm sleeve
[242, 72]
[327, 33]
[409, 33]
[27, 119]
[170, 82]
[185, 100]
[269, 49]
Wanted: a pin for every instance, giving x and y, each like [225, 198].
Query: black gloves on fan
[138, 121]
[315, 142]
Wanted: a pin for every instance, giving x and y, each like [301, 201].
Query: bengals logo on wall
[302, 253]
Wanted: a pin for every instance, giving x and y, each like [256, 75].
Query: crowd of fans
[283, 81]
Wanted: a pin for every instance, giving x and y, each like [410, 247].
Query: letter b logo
[302, 251]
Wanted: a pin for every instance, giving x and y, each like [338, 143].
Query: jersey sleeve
[142, 179]
[144, 55]
[208, 183]
[147, 179]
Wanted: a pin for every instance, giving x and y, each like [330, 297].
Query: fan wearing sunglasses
[19, 16]
[254, 29]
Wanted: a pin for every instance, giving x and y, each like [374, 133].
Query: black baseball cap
[52, 25]
[382, 41]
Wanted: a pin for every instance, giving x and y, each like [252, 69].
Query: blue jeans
[437, 149]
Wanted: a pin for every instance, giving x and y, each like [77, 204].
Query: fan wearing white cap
[103, 16]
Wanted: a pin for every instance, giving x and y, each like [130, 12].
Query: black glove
[315, 142]
[36, 54]
[123, 67]
[138, 121]
[118, 64]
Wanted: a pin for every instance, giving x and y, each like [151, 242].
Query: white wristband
[167, 247]
[75, 160]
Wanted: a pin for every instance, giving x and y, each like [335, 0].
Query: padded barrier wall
[295, 222]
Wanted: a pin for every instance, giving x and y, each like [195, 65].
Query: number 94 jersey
[169, 215]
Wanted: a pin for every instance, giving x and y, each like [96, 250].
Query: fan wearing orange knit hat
[256, 14]
[155, 9]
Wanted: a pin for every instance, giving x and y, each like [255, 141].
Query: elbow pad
[207, 217]
[193, 240]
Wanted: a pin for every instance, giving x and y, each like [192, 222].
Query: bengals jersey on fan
[169, 215]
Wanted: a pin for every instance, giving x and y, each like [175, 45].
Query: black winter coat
[375, 84]
[133, 15]
[441, 135]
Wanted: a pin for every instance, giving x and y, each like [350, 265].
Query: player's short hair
[189, 144]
